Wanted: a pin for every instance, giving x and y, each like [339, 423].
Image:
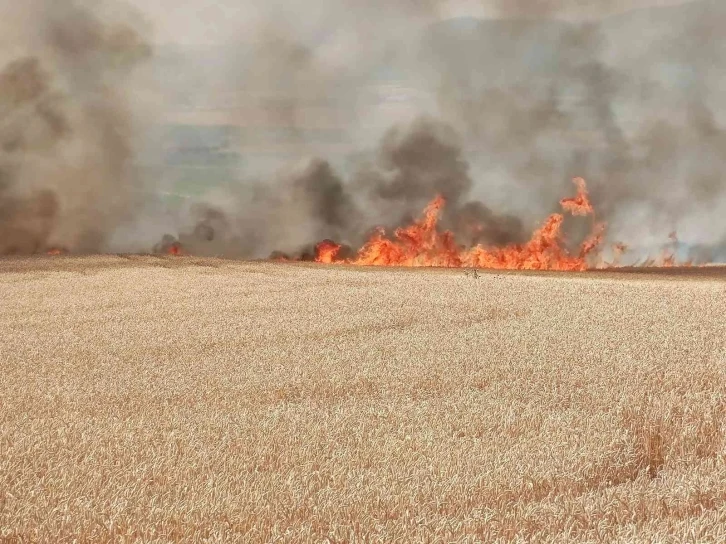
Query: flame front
[175, 249]
[326, 251]
[580, 204]
[423, 244]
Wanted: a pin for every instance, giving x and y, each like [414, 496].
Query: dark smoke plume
[311, 202]
[630, 102]
[495, 114]
[418, 161]
[303, 205]
[66, 130]
[526, 102]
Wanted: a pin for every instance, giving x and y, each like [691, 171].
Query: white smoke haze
[325, 119]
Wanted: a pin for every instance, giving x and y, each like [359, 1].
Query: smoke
[512, 109]
[303, 204]
[66, 129]
[567, 9]
[343, 116]
[630, 102]
[310, 202]
[414, 163]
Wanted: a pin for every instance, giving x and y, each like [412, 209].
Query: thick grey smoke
[66, 130]
[418, 161]
[302, 205]
[630, 102]
[526, 102]
[351, 115]
[310, 202]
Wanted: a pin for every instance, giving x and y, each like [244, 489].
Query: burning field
[210, 325]
[423, 244]
[189, 399]
[72, 179]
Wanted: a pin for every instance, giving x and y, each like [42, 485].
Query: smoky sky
[630, 103]
[345, 116]
[202, 22]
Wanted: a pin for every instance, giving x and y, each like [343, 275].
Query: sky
[199, 22]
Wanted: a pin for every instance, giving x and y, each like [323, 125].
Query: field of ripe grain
[188, 400]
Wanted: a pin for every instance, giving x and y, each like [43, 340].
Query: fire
[175, 249]
[55, 251]
[419, 244]
[580, 204]
[326, 251]
[423, 244]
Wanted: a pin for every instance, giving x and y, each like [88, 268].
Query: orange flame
[326, 251]
[580, 204]
[55, 251]
[422, 244]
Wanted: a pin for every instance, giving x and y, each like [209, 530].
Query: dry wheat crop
[150, 399]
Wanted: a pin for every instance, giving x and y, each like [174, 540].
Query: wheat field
[158, 399]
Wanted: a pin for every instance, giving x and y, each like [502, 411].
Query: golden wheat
[188, 400]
